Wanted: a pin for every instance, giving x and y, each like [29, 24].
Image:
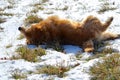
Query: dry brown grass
[106, 6]
[6, 14]
[29, 54]
[102, 53]
[99, 53]
[21, 36]
[9, 46]
[56, 46]
[53, 70]
[37, 7]
[32, 19]
[17, 75]
[2, 20]
[108, 69]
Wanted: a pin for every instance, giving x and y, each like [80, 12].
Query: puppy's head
[26, 33]
[33, 35]
[22, 30]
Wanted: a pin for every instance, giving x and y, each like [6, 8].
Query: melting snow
[75, 10]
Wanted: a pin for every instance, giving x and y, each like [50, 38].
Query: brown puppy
[69, 32]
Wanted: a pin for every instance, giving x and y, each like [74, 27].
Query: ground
[13, 14]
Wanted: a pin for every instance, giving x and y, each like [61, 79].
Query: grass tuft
[21, 36]
[9, 7]
[29, 54]
[99, 51]
[6, 14]
[16, 74]
[56, 46]
[109, 69]
[12, 2]
[102, 53]
[44, 1]
[32, 19]
[53, 70]
[106, 6]
[1, 9]
[2, 20]
[9, 46]
[98, 45]
[36, 8]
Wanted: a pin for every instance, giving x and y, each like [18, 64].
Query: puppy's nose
[20, 28]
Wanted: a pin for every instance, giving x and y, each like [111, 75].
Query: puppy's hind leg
[108, 36]
[88, 46]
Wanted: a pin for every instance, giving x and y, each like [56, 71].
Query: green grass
[53, 70]
[108, 69]
[29, 54]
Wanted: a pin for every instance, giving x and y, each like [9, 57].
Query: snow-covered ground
[70, 9]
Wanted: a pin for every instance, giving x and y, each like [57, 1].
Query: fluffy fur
[69, 32]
